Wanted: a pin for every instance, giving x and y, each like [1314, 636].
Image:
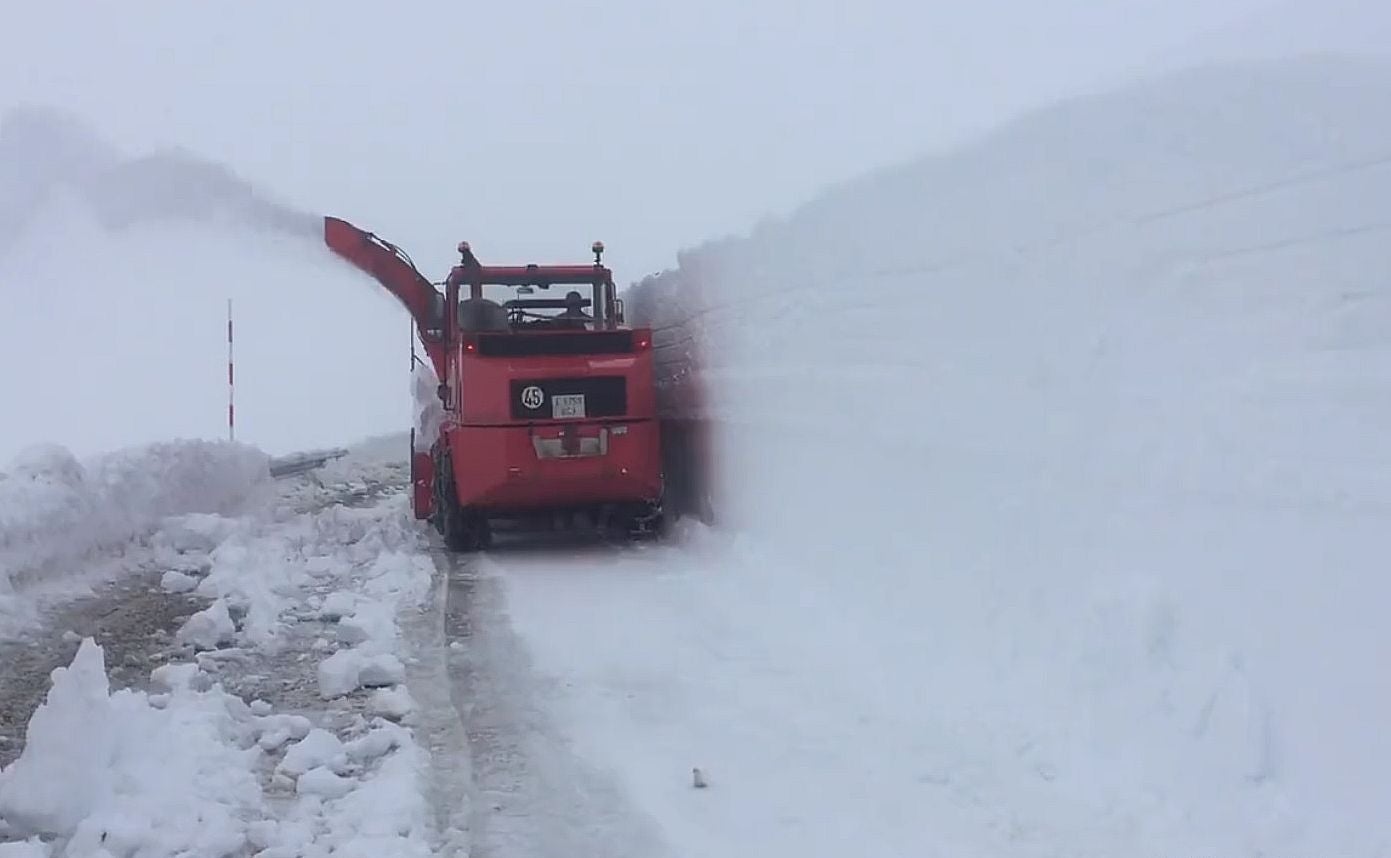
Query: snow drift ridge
[54, 510]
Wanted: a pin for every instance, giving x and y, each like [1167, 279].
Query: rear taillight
[642, 342]
[470, 345]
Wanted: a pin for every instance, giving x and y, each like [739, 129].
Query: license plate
[567, 405]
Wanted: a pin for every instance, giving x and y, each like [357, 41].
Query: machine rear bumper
[517, 469]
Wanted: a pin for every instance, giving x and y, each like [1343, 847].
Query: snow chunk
[115, 776]
[276, 730]
[63, 773]
[377, 743]
[339, 674]
[394, 703]
[381, 670]
[260, 707]
[208, 628]
[346, 670]
[386, 814]
[338, 605]
[33, 848]
[318, 748]
[374, 622]
[322, 782]
[177, 582]
[174, 676]
[352, 630]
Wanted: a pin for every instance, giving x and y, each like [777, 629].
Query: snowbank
[189, 768]
[1055, 479]
[180, 771]
[56, 511]
[117, 773]
[365, 562]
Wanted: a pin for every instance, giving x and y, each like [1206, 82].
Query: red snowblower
[549, 403]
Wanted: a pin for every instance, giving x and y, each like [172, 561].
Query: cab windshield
[527, 308]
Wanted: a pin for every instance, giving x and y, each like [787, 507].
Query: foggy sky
[532, 129]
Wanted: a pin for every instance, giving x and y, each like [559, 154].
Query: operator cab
[512, 305]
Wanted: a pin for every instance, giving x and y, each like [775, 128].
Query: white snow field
[1055, 484]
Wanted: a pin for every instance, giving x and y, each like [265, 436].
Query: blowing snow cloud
[44, 151]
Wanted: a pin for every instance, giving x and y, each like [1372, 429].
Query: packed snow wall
[676, 306]
[1080, 431]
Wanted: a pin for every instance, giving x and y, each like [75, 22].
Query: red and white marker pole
[231, 388]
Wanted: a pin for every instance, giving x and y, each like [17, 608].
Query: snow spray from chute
[44, 151]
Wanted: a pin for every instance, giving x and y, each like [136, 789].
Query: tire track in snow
[441, 731]
[531, 795]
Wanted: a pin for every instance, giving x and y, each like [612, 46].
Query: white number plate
[567, 405]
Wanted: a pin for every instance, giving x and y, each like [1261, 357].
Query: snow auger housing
[549, 402]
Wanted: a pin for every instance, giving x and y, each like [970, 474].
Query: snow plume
[43, 151]
[116, 272]
[55, 510]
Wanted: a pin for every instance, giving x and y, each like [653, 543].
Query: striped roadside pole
[231, 388]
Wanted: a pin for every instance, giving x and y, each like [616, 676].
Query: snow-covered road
[1008, 668]
[532, 793]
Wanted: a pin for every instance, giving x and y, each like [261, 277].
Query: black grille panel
[536, 345]
[604, 396]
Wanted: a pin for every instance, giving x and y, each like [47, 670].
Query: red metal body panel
[495, 460]
[497, 469]
[486, 388]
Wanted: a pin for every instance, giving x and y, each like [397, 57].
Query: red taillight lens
[642, 342]
[470, 345]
